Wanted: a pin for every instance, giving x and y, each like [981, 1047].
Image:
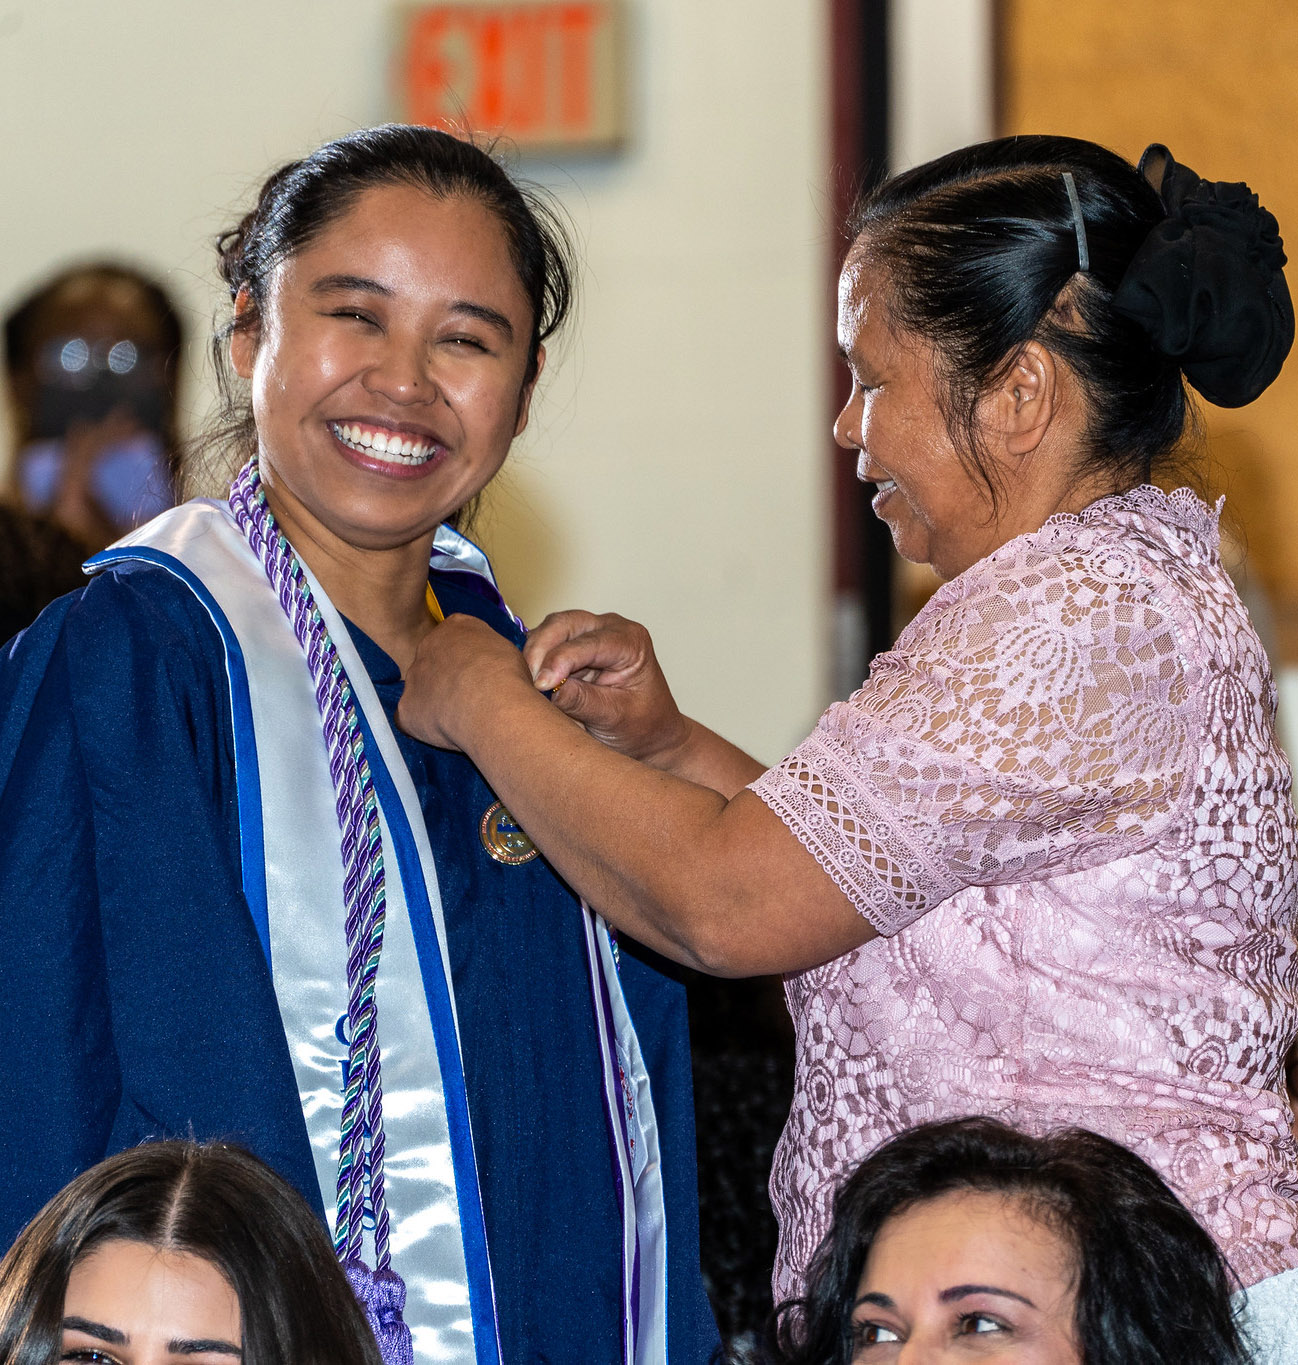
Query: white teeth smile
[884, 485]
[389, 447]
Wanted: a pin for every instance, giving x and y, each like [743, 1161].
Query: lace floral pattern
[1061, 803]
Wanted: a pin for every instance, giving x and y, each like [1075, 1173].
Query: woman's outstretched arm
[716, 882]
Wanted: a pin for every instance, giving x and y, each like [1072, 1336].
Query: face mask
[130, 480]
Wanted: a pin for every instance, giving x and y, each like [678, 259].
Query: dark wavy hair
[303, 198]
[979, 246]
[209, 1200]
[1152, 1286]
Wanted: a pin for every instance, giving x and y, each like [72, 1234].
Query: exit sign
[547, 74]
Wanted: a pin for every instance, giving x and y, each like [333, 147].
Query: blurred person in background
[179, 1253]
[39, 561]
[91, 360]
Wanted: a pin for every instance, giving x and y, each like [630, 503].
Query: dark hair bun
[1207, 284]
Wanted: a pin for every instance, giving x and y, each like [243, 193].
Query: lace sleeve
[1035, 720]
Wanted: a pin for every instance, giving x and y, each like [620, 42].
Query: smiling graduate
[238, 903]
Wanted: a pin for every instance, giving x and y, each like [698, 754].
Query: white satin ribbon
[307, 938]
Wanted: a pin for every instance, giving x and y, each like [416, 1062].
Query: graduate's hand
[609, 680]
[462, 677]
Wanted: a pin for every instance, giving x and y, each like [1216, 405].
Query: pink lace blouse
[1061, 803]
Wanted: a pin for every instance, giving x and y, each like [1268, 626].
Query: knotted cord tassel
[382, 1293]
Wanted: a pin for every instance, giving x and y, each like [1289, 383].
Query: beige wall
[942, 93]
[1216, 82]
[942, 97]
[675, 465]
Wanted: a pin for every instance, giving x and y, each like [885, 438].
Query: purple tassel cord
[360, 1164]
[382, 1294]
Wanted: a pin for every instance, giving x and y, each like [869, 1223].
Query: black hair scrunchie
[1207, 284]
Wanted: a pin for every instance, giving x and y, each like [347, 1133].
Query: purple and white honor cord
[360, 1138]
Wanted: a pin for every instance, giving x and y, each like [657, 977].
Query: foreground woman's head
[1021, 318]
[968, 1240]
[178, 1251]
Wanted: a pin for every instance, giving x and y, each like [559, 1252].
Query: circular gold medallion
[503, 839]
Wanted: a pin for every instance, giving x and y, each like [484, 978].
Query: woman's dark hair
[302, 199]
[1151, 1285]
[208, 1200]
[983, 252]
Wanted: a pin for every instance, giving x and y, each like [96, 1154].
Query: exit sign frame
[549, 75]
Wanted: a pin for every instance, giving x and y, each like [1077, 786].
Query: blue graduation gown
[138, 1002]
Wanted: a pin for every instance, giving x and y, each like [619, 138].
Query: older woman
[1042, 864]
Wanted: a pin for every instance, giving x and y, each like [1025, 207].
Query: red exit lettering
[536, 72]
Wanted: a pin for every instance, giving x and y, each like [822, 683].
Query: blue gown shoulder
[132, 970]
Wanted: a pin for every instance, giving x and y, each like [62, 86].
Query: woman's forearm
[707, 759]
[604, 821]
[718, 883]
